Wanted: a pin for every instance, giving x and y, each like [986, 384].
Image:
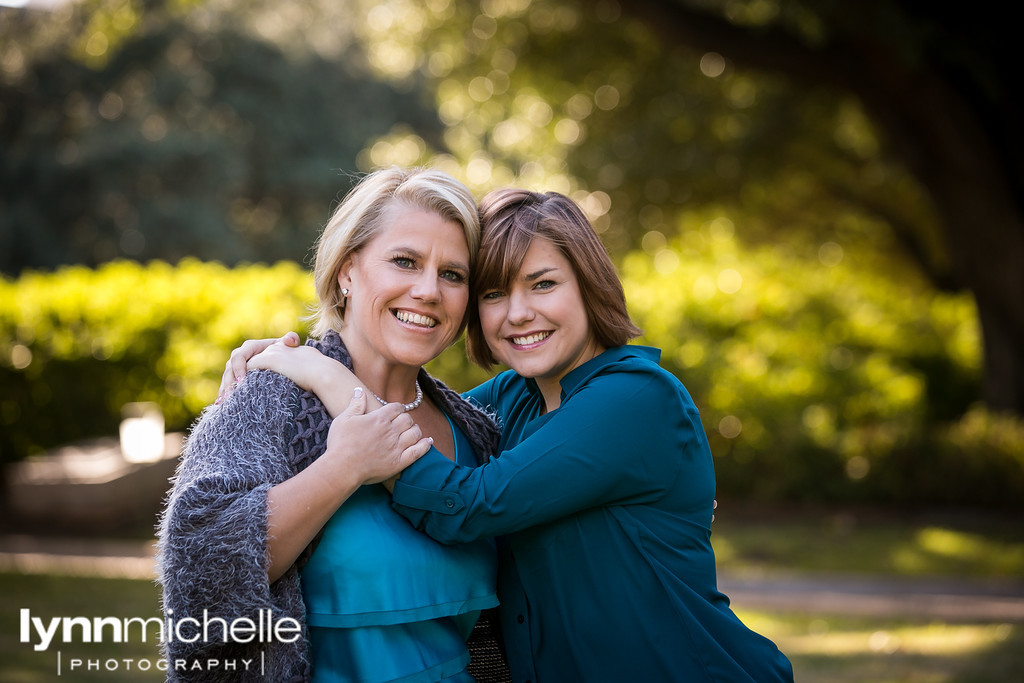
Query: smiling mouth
[528, 340]
[414, 319]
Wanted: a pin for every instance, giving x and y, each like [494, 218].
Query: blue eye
[544, 284]
[492, 295]
[403, 262]
[454, 276]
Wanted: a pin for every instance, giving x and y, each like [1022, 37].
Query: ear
[345, 273]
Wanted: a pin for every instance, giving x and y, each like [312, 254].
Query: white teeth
[532, 339]
[415, 319]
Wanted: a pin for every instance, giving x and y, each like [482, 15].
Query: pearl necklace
[408, 406]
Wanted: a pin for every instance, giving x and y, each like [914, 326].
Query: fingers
[227, 382]
[239, 357]
[357, 406]
[235, 367]
[416, 451]
[393, 412]
[410, 436]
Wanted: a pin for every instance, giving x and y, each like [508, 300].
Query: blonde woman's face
[409, 288]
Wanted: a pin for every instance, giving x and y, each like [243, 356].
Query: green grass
[48, 596]
[823, 648]
[854, 649]
[870, 541]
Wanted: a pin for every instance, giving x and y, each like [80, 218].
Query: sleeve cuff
[420, 488]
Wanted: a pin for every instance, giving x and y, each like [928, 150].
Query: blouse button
[520, 618]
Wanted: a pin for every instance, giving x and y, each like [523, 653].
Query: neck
[551, 387]
[392, 382]
[552, 393]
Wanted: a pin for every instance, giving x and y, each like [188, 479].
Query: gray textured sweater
[212, 541]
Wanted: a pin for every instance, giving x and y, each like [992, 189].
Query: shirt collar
[579, 375]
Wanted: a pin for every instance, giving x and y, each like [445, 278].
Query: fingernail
[358, 392]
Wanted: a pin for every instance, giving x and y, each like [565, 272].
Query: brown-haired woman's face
[538, 325]
[409, 288]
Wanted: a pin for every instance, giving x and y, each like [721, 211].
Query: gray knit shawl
[212, 541]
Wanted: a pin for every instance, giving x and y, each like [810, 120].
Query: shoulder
[440, 392]
[261, 393]
[635, 371]
[331, 346]
[628, 368]
[504, 386]
[263, 403]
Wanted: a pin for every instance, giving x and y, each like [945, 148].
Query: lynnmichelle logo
[43, 635]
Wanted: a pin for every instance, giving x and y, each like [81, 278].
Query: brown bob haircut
[510, 220]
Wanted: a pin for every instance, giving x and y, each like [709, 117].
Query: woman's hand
[377, 446]
[237, 363]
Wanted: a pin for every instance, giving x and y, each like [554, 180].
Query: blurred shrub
[819, 379]
[77, 344]
[815, 380]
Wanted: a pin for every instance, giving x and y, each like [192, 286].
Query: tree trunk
[939, 133]
[986, 240]
[937, 126]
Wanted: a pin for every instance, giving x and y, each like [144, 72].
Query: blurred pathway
[967, 600]
[107, 558]
[944, 599]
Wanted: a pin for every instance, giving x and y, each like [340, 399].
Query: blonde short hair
[358, 219]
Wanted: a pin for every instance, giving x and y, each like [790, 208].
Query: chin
[528, 371]
[418, 356]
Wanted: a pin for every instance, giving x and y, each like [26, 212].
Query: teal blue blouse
[606, 567]
[385, 602]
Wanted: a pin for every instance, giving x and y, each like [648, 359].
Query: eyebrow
[455, 265]
[416, 254]
[538, 273]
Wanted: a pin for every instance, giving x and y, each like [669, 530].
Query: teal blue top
[604, 508]
[387, 603]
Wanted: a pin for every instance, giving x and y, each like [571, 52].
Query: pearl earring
[344, 291]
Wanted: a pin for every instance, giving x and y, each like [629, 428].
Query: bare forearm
[361, 449]
[298, 508]
[334, 387]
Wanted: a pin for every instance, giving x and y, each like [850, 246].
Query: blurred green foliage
[78, 344]
[772, 244]
[815, 382]
[583, 98]
[820, 379]
[164, 134]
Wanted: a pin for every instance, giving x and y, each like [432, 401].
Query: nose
[519, 310]
[426, 288]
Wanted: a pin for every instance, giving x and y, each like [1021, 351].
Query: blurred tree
[153, 137]
[937, 81]
[882, 130]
